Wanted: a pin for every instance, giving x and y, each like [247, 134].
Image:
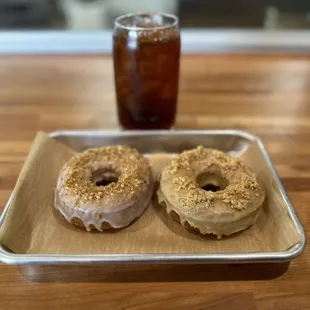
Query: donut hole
[104, 177]
[212, 182]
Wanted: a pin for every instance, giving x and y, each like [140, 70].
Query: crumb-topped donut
[106, 187]
[209, 191]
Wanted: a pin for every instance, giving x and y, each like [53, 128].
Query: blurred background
[99, 14]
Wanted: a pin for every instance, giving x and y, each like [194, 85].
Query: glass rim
[174, 23]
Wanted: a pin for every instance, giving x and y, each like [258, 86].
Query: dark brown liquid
[146, 81]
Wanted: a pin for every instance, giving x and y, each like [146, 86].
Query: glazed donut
[211, 192]
[106, 187]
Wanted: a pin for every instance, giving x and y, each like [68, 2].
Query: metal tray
[231, 141]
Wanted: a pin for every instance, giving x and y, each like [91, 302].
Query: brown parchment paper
[32, 225]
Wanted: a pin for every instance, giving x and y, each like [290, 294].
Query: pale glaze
[93, 214]
[206, 224]
[216, 217]
[116, 210]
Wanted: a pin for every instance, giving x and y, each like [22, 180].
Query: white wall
[98, 14]
[120, 7]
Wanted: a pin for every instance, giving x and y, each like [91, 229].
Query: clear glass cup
[146, 53]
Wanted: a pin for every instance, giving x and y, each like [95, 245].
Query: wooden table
[267, 95]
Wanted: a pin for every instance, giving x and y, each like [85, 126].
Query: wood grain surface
[268, 95]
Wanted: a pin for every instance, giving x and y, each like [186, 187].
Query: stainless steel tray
[230, 141]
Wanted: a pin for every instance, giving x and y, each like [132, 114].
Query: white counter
[193, 41]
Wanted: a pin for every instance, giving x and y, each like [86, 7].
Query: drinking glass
[146, 54]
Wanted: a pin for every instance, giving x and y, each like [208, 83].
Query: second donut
[211, 192]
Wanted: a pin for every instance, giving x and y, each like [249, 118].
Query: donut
[102, 188]
[210, 192]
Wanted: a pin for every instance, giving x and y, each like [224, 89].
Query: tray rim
[206, 258]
